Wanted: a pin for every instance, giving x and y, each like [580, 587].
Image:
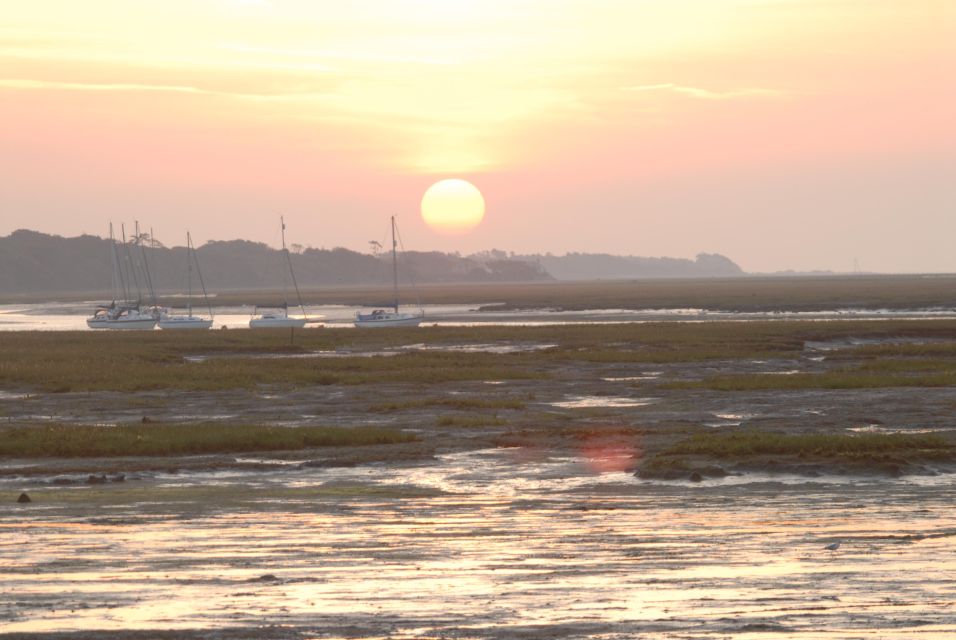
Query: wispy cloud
[349, 56]
[704, 94]
[8, 83]
[135, 87]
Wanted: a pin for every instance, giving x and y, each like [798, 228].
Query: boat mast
[394, 265]
[288, 260]
[117, 281]
[149, 279]
[130, 270]
[189, 247]
[189, 277]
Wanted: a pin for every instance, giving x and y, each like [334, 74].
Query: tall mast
[149, 278]
[130, 270]
[117, 284]
[189, 277]
[394, 265]
[288, 260]
[189, 248]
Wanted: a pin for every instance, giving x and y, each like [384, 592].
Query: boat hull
[277, 323]
[373, 321]
[184, 322]
[139, 324]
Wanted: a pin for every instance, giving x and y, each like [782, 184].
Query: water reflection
[58, 316]
[484, 544]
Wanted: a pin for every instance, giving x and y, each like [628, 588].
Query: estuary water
[59, 316]
[495, 543]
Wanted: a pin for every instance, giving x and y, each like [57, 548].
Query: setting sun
[453, 206]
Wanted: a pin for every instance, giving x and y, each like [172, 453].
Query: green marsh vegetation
[244, 359]
[470, 421]
[79, 441]
[761, 443]
[869, 367]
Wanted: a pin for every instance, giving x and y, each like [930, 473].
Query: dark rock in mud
[696, 477]
[24, 498]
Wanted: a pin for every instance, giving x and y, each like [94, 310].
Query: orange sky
[782, 133]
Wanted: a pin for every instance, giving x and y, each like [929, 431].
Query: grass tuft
[756, 443]
[80, 441]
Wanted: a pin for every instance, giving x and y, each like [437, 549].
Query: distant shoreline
[765, 294]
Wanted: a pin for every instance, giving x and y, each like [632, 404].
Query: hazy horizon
[783, 134]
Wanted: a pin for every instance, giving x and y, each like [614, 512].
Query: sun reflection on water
[483, 540]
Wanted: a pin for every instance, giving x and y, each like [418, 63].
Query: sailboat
[390, 317]
[169, 320]
[128, 314]
[277, 315]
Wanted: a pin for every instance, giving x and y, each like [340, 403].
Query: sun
[453, 206]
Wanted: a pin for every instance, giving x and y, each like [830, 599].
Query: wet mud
[531, 525]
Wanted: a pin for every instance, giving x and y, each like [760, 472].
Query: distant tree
[297, 248]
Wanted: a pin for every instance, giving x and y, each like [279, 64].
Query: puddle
[293, 356]
[464, 348]
[849, 343]
[872, 428]
[521, 347]
[587, 402]
[729, 419]
[640, 378]
[11, 395]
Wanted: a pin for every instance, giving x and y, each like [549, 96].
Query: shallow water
[500, 543]
[60, 316]
[591, 402]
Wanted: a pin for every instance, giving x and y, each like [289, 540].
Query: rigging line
[149, 278]
[295, 284]
[117, 281]
[131, 269]
[202, 284]
[411, 278]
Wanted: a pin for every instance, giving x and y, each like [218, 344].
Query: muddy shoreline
[520, 510]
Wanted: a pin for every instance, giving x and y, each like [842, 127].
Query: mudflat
[661, 479]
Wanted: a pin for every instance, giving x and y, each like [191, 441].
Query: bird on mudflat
[832, 547]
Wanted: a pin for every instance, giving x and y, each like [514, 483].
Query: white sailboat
[126, 315]
[267, 316]
[121, 316]
[174, 321]
[390, 317]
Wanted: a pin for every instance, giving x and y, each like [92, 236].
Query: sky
[785, 134]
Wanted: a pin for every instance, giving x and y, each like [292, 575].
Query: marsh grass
[870, 374]
[79, 441]
[138, 361]
[756, 443]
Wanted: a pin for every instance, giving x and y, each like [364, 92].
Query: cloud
[303, 93]
[704, 94]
